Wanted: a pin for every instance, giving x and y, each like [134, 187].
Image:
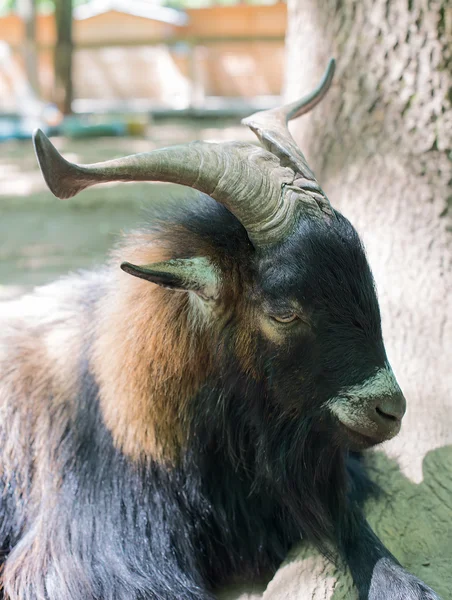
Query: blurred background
[111, 77]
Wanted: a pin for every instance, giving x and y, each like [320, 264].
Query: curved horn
[261, 188]
[243, 177]
[271, 128]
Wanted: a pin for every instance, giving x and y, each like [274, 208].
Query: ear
[181, 274]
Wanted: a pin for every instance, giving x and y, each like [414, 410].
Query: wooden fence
[221, 52]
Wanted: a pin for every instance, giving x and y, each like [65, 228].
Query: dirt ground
[42, 237]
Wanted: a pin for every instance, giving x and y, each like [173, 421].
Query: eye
[289, 318]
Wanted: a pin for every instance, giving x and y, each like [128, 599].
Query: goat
[182, 422]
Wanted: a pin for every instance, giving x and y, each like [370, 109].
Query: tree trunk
[381, 146]
[63, 55]
[27, 12]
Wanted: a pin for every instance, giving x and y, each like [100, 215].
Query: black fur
[265, 463]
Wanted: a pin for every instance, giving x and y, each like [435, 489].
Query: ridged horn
[271, 127]
[246, 179]
[265, 189]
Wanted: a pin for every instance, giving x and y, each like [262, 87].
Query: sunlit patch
[8, 292]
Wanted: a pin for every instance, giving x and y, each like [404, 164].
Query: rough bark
[381, 146]
[63, 89]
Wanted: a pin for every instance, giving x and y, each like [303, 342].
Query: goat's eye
[289, 318]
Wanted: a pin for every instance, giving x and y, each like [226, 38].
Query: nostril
[386, 415]
[391, 408]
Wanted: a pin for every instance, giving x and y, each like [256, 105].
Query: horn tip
[54, 168]
[42, 145]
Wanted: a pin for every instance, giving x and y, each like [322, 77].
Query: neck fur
[150, 357]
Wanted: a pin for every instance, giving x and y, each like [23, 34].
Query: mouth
[356, 440]
[364, 426]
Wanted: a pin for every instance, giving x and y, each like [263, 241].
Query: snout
[388, 412]
[378, 419]
[372, 410]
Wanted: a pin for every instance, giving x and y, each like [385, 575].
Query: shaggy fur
[156, 447]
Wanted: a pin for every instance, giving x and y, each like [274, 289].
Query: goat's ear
[182, 274]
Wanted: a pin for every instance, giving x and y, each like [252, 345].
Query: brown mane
[160, 359]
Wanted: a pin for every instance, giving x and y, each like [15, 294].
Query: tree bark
[381, 147]
[63, 56]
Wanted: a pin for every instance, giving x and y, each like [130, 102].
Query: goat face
[316, 314]
[302, 318]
